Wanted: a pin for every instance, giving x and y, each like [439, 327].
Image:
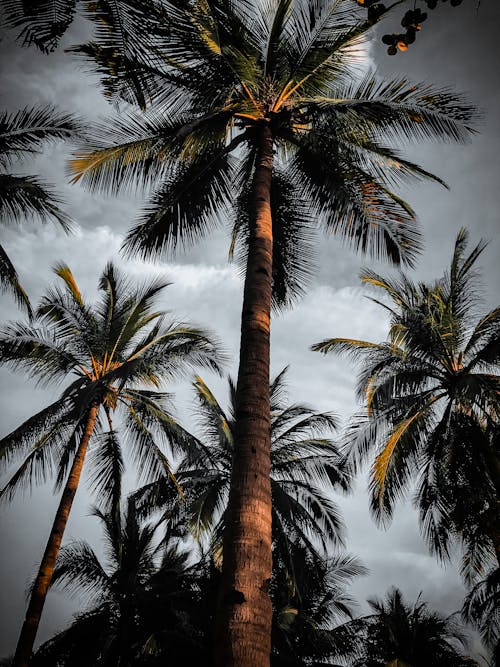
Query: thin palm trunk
[245, 610]
[44, 577]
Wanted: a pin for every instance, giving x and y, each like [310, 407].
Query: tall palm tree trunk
[243, 637]
[44, 577]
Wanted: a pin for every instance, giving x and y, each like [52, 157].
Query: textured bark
[243, 637]
[44, 577]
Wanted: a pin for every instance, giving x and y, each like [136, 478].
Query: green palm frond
[27, 197]
[481, 608]
[398, 110]
[106, 462]
[187, 207]
[354, 206]
[16, 443]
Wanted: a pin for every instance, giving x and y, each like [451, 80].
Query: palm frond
[9, 282]
[79, 572]
[106, 462]
[15, 443]
[40, 23]
[185, 208]
[23, 132]
[28, 197]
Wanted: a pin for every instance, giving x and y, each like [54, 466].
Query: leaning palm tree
[113, 357]
[256, 110]
[21, 196]
[305, 471]
[397, 634]
[432, 408]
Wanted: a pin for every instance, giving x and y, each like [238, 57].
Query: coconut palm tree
[256, 109]
[21, 196]
[113, 357]
[432, 407]
[305, 471]
[401, 635]
[139, 598]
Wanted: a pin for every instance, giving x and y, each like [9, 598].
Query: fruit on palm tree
[401, 635]
[305, 471]
[254, 110]
[113, 357]
[21, 196]
[432, 408]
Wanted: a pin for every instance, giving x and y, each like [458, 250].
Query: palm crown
[139, 597]
[216, 75]
[305, 468]
[397, 633]
[432, 399]
[116, 355]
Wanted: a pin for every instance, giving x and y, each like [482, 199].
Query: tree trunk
[493, 463]
[243, 634]
[44, 577]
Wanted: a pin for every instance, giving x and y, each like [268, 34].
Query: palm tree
[432, 408]
[21, 134]
[305, 471]
[401, 635]
[115, 355]
[308, 607]
[255, 111]
[143, 591]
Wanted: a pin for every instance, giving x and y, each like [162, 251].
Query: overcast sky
[458, 48]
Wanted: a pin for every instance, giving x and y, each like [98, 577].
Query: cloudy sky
[458, 48]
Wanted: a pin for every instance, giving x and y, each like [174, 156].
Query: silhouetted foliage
[432, 408]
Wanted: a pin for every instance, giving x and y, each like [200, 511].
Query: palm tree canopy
[115, 354]
[214, 74]
[406, 635]
[308, 607]
[432, 406]
[138, 598]
[305, 469]
[22, 133]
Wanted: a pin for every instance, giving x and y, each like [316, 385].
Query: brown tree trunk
[243, 636]
[44, 577]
